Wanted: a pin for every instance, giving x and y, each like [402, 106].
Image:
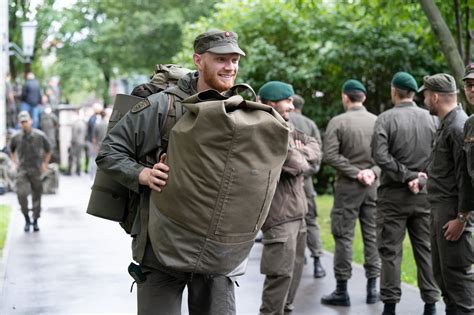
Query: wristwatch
[462, 217]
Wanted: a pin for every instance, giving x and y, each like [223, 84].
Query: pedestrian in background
[31, 98]
[452, 218]
[284, 230]
[30, 151]
[347, 149]
[89, 145]
[313, 240]
[79, 129]
[98, 135]
[401, 146]
[49, 124]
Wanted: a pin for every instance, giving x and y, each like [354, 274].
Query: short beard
[214, 82]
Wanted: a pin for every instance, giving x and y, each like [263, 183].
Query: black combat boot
[372, 295]
[319, 271]
[339, 297]
[389, 309]
[35, 225]
[430, 309]
[27, 223]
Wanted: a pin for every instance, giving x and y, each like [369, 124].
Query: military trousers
[398, 210]
[353, 201]
[452, 262]
[162, 291]
[29, 182]
[282, 264]
[313, 231]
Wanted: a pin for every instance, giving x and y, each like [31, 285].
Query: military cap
[218, 42]
[469, 72]
[298, 101]
[353, 85]
[275, 91]
[440, 82]
[404, 81]
[23, 116]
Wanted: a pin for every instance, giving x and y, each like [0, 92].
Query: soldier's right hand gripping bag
[225, 157]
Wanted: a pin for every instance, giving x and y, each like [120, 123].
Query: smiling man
[126, 154]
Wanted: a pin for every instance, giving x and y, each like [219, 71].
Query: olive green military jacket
[402, 143]
[307, 126]
[469, 148]
[30, 149]
[347, 143]
[289, 202]
[448, 182]
[131, 146]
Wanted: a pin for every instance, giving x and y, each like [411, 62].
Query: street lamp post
[24, 54]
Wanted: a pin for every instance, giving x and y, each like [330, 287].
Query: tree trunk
[446, 41]
[468, 43]
[457, 11]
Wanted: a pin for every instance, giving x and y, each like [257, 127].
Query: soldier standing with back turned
[401, 146]
[347, 149]
[313, 240]
[452, 218]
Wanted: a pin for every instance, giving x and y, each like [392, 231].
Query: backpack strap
[174, 113]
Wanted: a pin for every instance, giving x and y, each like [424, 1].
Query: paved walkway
[77, 264]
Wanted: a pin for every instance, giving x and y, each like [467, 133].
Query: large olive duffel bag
[225, 157]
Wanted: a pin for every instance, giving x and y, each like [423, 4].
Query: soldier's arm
[397, 171]
[466, 190]
[332, 154]
[123, 153]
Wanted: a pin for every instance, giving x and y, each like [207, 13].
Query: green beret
[404, 81]
[218, 42]
[353, 85]
[275, 91]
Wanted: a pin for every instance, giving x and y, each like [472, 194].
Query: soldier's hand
[453, 230]
[155, 177]
[44, 167]
[413, 186]
[299, 144]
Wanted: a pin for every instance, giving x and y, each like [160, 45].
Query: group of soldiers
[405, 170]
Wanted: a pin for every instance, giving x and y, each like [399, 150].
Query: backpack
[109, 199]
[226, 155]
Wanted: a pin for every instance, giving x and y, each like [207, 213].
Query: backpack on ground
[226, 156]
[109, 199]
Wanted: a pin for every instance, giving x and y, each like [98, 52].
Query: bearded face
[217, 71]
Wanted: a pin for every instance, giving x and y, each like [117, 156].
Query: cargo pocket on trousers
[461, 252]
[337, 222]
[275, 260]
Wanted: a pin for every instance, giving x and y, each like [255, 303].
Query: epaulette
[140, 106]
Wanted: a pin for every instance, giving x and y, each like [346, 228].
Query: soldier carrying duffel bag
[129, 154]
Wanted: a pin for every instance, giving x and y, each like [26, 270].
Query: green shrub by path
[324, 203]
[4, 220]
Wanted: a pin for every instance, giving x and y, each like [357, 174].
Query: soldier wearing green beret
[306, 125]
[401, 146]
[125, 157]
[284, 230]
[452, 216]
[347, 149]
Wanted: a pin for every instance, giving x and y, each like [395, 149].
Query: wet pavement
[77, 264]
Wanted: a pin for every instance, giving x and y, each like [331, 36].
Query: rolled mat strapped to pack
[225, 157]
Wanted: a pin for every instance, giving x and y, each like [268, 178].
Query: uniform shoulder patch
[140, 106]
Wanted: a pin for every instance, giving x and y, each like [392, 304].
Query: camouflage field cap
[23, 116]
[469, 72]
[404, 81]
[276, 91]
[218, 42]
[440, 82]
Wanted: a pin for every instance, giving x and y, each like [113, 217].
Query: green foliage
[325, 202]
[4, 220]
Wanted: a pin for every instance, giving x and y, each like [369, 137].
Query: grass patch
[408, 269]
[4, 220]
